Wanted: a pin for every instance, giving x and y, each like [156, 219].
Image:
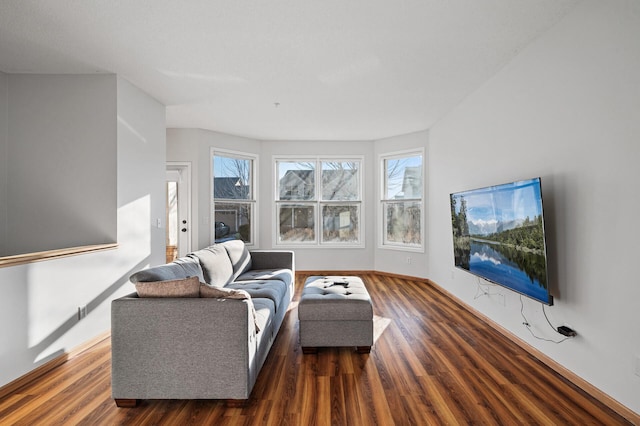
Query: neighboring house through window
[402, 200]
[233, 201]
[319, 201]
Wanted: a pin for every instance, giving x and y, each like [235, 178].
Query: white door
[178, 235]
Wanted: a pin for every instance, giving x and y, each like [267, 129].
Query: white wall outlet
[408, 260]
[638, 366]
[159, 223]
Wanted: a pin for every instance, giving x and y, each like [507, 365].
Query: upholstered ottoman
[335, 311]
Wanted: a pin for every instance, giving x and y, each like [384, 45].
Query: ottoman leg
[126, 403]
[363, 349]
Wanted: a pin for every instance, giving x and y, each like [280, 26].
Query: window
[233, 201]
[401, 200]
[318, 201]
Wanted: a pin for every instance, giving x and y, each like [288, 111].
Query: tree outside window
[233, 197]
[319, 201]
[402, 200]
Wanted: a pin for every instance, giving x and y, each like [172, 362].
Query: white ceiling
[282, 69]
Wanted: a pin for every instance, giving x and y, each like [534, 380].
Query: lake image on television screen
[498, 234]
[487, 262]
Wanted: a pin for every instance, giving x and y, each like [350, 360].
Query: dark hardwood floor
[433, 362]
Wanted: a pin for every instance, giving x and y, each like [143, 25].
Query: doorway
[178, 210]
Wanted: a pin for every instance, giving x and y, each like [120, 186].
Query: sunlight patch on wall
[130, 128]
[134, 227]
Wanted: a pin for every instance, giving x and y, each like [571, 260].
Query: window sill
[398, 247]
[21, 259]
[319, 246]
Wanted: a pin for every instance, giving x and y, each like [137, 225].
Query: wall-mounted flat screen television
[498, 235]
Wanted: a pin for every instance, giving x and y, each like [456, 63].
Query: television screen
[498, 235]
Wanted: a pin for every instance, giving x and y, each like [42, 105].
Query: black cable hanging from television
[526, 324]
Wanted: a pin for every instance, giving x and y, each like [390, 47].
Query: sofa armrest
[273, 259]
[181, 348]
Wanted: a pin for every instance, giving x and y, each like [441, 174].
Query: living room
[565, 107]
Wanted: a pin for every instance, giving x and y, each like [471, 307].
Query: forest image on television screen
[498, 235]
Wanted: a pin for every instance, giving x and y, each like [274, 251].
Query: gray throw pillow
[239, 256]
[166, 272]
[216, 265]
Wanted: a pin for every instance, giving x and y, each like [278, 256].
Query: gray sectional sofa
[196, 347]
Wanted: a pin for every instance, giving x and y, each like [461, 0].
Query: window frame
[384, 201]
[317, 202]
[252, 200]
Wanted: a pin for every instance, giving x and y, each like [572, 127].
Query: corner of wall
[141, 165]
[398, 261]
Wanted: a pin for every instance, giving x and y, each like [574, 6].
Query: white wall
[410, 263]
[38, 301]
[566, 109]
[4, 174]
[194, 146]
[61, 188]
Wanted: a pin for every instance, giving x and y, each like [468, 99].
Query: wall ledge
[21, 259]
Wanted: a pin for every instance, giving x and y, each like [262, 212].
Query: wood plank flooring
[432, 363]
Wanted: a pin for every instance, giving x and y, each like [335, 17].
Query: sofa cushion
[239, 256]
[284, 275]
[187, 287]
[265, 312]
[170, 271]
[267, 289]
[216, 265]
[191, 267]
